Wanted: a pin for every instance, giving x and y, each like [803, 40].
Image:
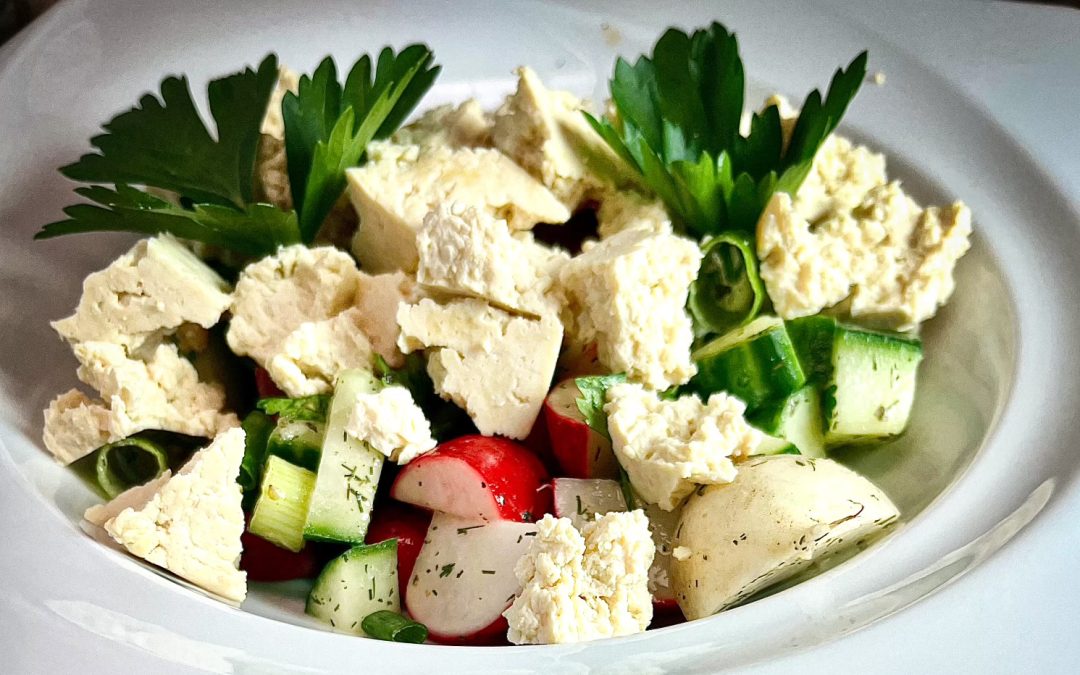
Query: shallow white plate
[991, 452]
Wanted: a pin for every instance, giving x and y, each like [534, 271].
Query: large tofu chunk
[147, 293]
[400, 185]
[495, 365]
[191, 525]
[627, 294]
[467, 252]
[162, 392]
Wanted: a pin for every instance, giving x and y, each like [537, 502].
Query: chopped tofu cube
[377, 300]
[391, 423]
[161, 392]
[277, 294]
[628, 295]
[400, 185]
[579, 586]
[626, 209]
[466, 252]
[271, 167]
[888, 262]
[495, 365]
[147, 293]
[668, 448]
[312, 355]
[192, 525]
[464, 126]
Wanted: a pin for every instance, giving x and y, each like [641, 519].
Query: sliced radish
[662, 524]
[464, 578]
[476, 477]
[580, 450]
[391, 519]
[580, 499]
[264, 384]
[264, 561]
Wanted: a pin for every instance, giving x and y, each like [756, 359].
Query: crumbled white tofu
[399, 185]
[133, 498]
[147, 293]
[377, 300]
[391, 423]
[271, 167]
[312, 356]
[842, 175]
[538, 129]
[495, 365]
[628, 295]
[277, 294]
[670, 447]
[467, 252]
[626, 209]
[586, 585]
[466, 125]
[890, 259]
[162, 391]
[192, 525]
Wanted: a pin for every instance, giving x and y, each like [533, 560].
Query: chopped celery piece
[281, 510]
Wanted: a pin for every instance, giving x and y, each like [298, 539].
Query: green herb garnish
[257, 427]
[328, 125]
[164, 143]
[593, 390]
[302, 409]
[677, 124]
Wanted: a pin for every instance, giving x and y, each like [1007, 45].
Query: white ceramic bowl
[991, 439]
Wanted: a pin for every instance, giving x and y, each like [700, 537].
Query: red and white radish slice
[580, 450]
[464, 578]
[391, 519]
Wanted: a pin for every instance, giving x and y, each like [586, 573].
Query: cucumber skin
[758, 371]
[324, 600]
[814, 338]
[776, 419]
[303, 449]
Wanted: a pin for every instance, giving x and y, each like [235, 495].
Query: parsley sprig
[328, 125]
[677, 124]
[164, 143]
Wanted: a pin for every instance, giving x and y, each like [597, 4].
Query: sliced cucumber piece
[298, 441]
[348, 470]
[757, 363]
[866, 378]
[794, 421]
[282, 508]
[872, 387]
[356, 584]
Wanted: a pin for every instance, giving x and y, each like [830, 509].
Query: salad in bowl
[532, 375]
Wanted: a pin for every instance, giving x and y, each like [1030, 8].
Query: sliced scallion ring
[129, 462]
[728, 291]
[387, 625]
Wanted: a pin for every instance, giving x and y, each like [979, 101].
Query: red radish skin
[268, 562]
[476, 477]
[265, 386]
[539, 441]
[580, 450]
[394, 520]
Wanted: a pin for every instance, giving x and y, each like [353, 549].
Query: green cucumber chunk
[355, 585]
[796, 421]
[282, 507]
[349, 470]
[298, 441]
[872, 388]
[866, 378]
[756, 363]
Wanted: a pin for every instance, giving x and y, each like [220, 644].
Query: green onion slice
[387, 625]
[129, 462]
[728, 291]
